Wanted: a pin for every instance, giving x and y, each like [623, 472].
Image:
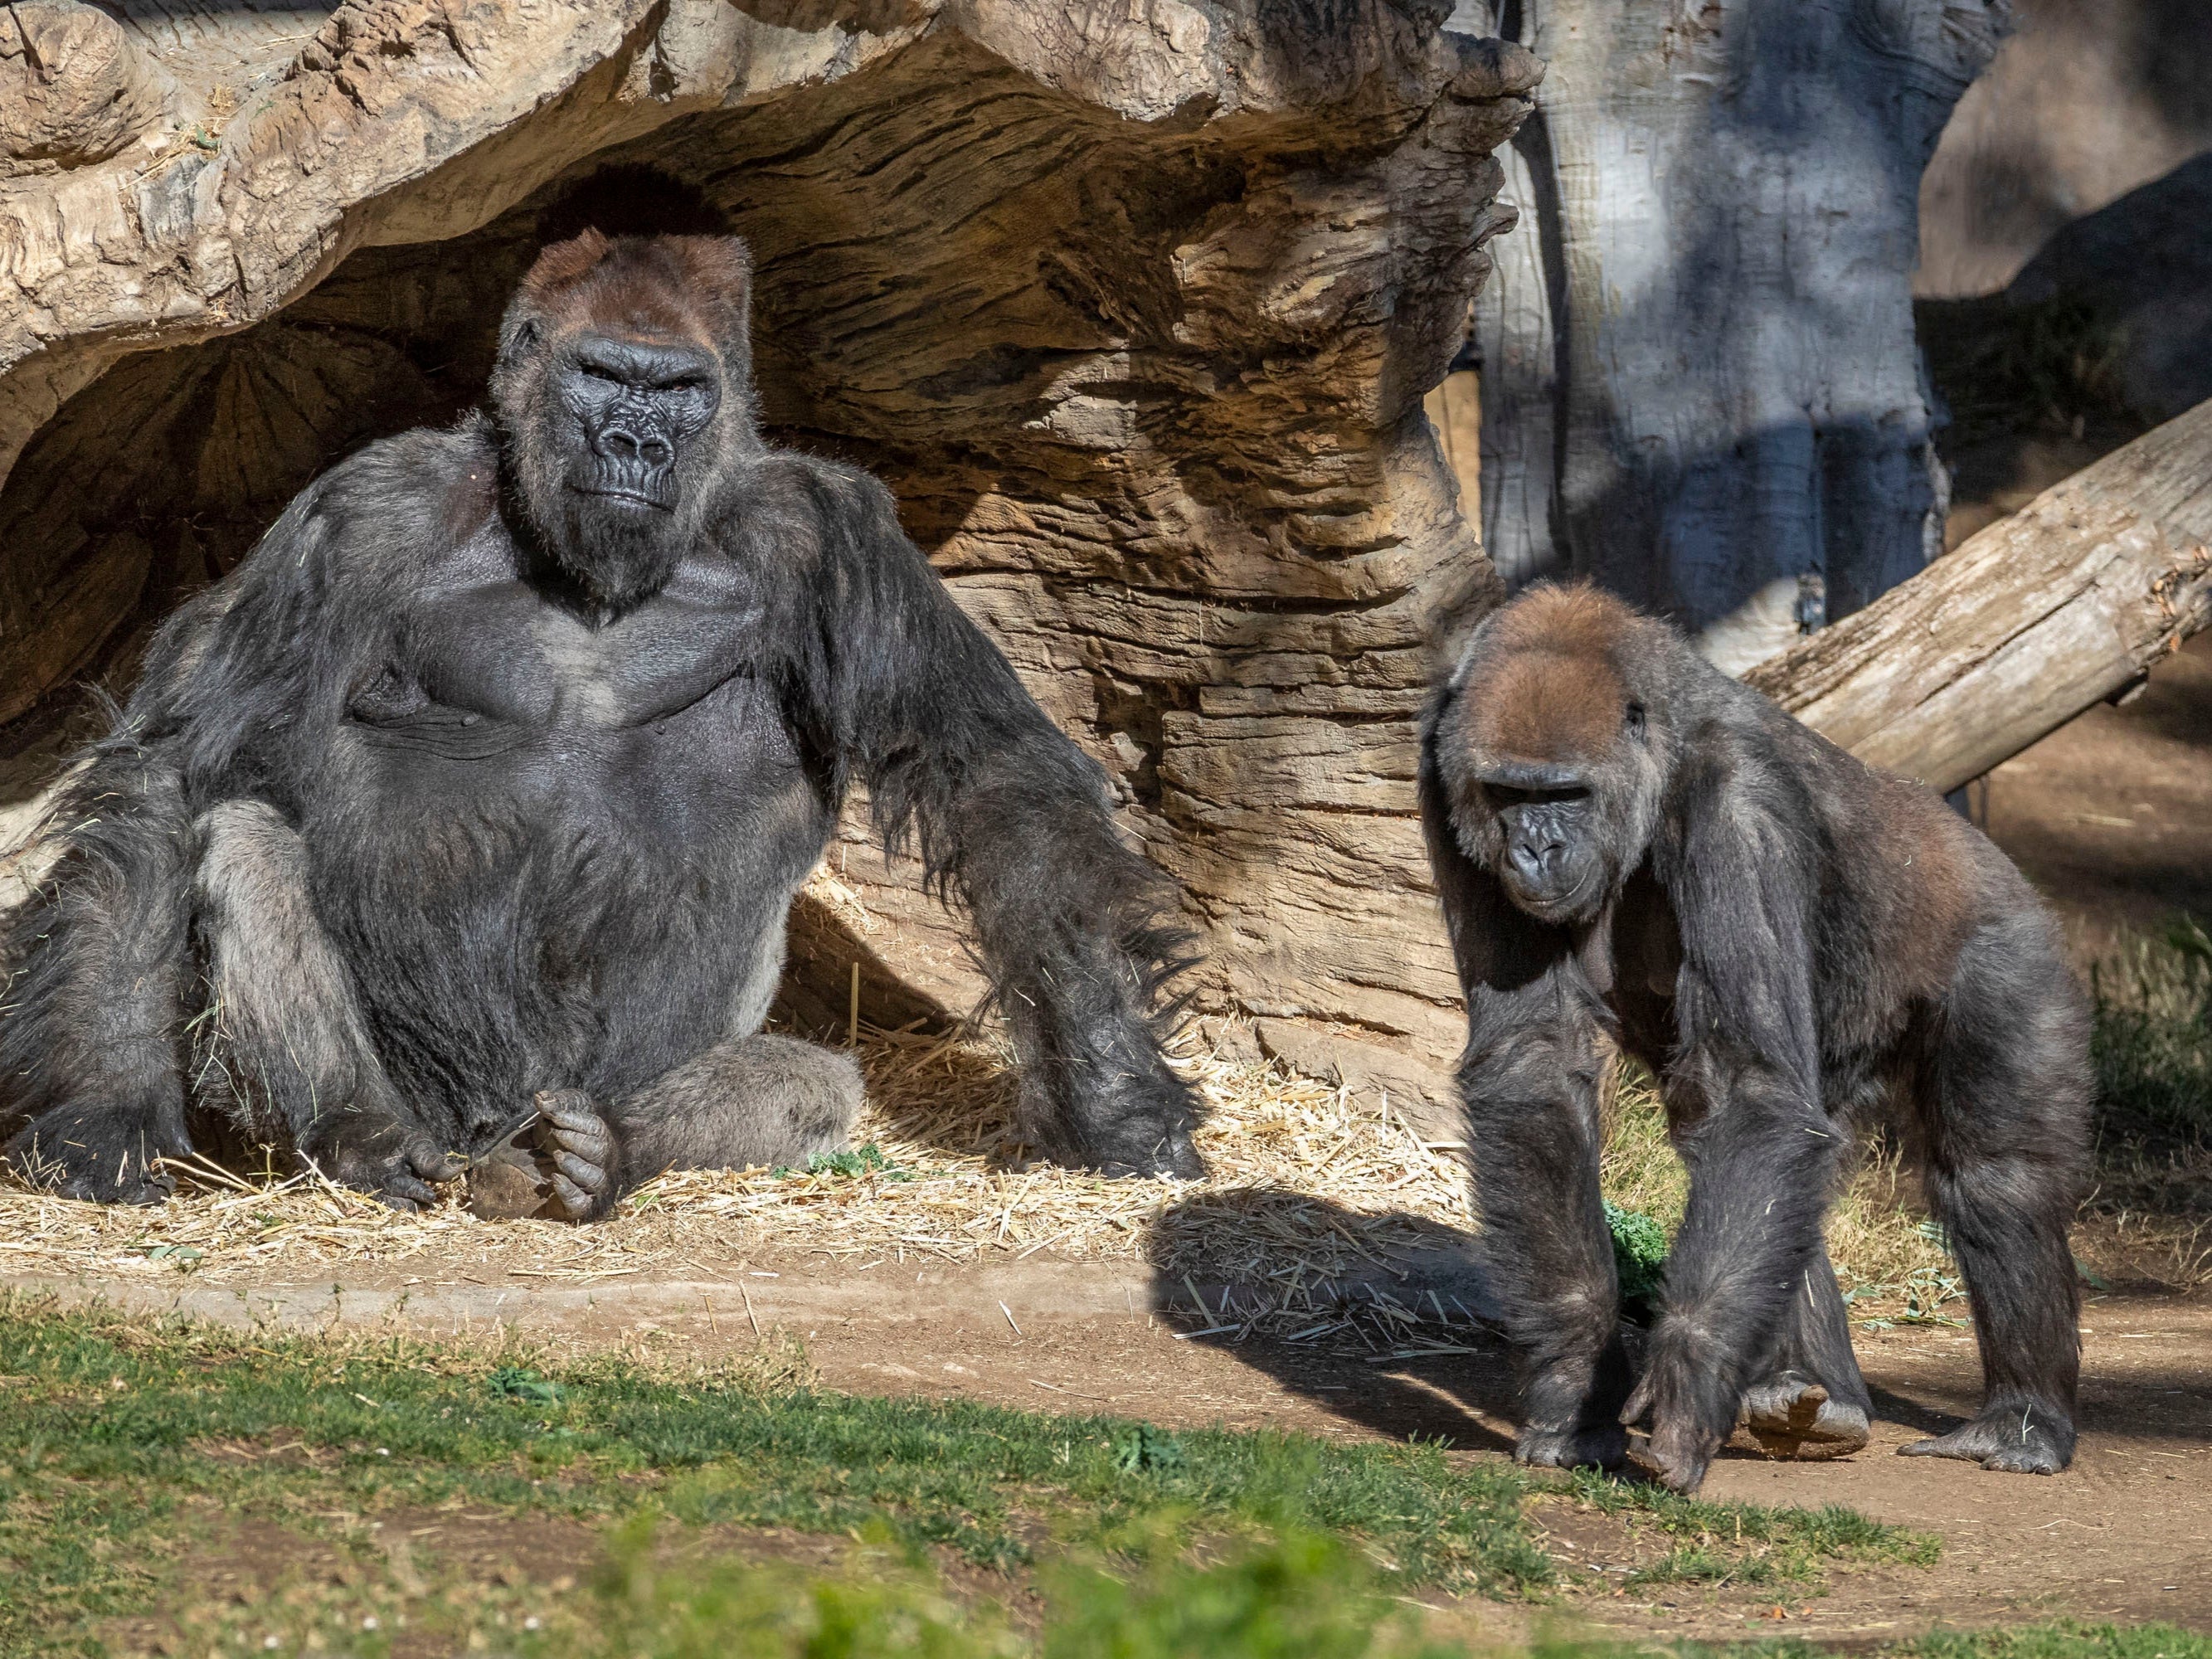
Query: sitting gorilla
[477, 796]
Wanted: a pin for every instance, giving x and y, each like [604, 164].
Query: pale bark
[2026, 624]
[1699, 378]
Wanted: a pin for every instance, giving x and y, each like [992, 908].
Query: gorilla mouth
[627, 497]
[1547, 906]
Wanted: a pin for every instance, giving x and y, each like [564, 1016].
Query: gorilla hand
[1578, 1446]
[581, 1148]
[103, 1157]
[1689, 1419]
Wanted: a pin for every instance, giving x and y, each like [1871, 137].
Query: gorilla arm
[91, 1093]
[894, 683]
[1744, 1086]
[1528, 1079]
[91, 1045]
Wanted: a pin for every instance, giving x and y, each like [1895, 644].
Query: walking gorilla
[1627, 840]
[482, 788]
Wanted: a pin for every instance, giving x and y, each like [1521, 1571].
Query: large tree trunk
[1132, 304]
[1700, 386]
[2072, 599]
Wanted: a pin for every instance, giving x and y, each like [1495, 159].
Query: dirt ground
[2125, 1535]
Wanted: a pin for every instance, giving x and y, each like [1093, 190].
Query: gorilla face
[1551, 757]
[1550, 856]
[637, 405]
[623, 391]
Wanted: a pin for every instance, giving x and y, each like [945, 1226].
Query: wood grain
[2026, 624]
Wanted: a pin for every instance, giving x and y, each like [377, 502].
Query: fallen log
[2036, 618]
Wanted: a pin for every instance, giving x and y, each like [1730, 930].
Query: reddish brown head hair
[693, 289]
[1549, 711]
[1552, 687]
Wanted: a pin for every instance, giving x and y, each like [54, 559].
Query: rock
[1423, 1095]
[73, 88]
[1231, 1040]
[1134, 307]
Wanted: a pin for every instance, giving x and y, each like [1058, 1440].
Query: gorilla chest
[491, 695]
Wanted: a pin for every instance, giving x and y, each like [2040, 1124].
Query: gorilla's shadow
[954, 1096]
[1403, 1257]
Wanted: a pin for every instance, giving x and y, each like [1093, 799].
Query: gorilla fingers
[759, 1099]
[1626, 841]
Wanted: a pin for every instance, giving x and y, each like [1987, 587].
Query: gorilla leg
[1812, 1403]
[760, 1099]
[287, 1035]
[92, 1092]
[2005, 1139]
[1530, 1088]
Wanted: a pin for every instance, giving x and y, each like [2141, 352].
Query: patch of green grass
[1748, 1543]
[1639, 1253]
[2152, 1043]
[2064, 1639]
[123, 1441]
[851, 1165]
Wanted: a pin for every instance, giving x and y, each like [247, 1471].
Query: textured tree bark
[1699, 381]
[2022, 627]
[1132, 303]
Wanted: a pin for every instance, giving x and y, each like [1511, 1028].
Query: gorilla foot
[1592, 1446]
[71, 1161]
[1790, 1417]
[580, 1147]
[2014, 1439]
[396, 1163]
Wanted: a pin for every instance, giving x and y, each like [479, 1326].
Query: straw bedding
[1301, 1173]
[1314, 1199]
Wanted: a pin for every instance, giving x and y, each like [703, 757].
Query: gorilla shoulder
[411, 495]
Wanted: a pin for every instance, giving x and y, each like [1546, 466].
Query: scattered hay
[1307, 1185]
[1314, 1200]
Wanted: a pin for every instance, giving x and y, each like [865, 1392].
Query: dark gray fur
[492, 773]
[1626, 841]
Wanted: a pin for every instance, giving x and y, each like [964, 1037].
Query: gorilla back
[482, 788]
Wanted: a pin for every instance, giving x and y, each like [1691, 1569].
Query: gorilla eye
[1505, 796]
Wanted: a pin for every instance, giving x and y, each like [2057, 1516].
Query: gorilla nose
[649, 449]
[1536, 862]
